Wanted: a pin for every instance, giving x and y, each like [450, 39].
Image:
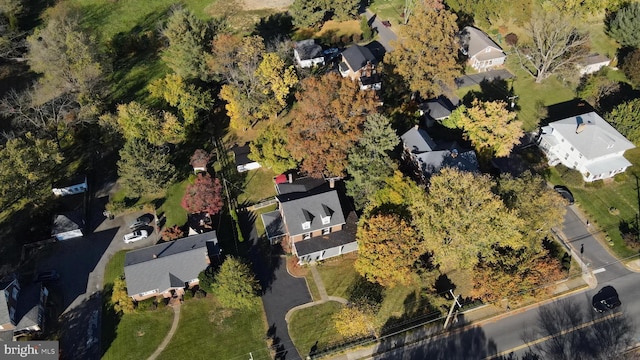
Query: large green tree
[188, 98]
[426, 53]
[67, 57]
[624, 25]
[188, 41]
[327, 123]
[461, 220]
[307, 13]
[369, 163]
[270, 149]
[490, 127]
[136, 121]
[27, 166]
[624, 118]
[144, 168]
[235, 285]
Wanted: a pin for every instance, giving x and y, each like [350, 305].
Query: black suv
[606, 299]
[141, 221]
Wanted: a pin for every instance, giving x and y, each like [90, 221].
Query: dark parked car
[50, 275]
[564, 192]
[141, 221]
[606, 299]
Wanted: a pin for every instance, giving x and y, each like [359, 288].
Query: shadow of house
[311, 220]
[22, 309]
[170, 268]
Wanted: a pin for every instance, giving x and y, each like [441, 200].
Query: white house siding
[69, 235]
[307, 63]
[328, 253]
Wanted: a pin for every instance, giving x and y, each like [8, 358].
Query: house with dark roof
[359, 64]
[586, 143]
[429, 157]
[71, 186]
[22, 308]
[68, 225]
[593, 63]
[241, 157]
[484, 54]
[311, 220]
[169, 268]
[308, 54]
[434, 110]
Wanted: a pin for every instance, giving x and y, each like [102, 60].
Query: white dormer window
[326, 220]
[306, 225]
[488, 49]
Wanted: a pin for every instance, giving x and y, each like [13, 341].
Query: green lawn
[596, 202]
[114, 268]
[208, 330]
[138, 335]
[388, 10]
[258, 185]
[338, 275]
[171, 207]
[313, 326]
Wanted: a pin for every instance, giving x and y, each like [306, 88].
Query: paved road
[385, 34]
[475, 79]
[507, 334]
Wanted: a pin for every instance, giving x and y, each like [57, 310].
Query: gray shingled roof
[476, 41]
[418, 140]
[4, 309]
[357, 57]
[241, 154]
[303, 184]
[433, 161]
[28, 310]
[308, 49]
[273, 225]
[597, 138]
[437, 108]
[71, 220]
[594, 59]
[294, 212]
[169, 264]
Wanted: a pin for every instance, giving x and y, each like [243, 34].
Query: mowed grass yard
[205, 327]
[621, 196]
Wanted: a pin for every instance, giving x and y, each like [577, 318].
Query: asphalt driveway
[281, 291]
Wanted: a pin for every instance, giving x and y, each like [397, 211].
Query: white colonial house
[483, 53]
[586, 143]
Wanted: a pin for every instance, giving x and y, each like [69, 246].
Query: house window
[572, 148]
[326, 220]
[306, 236]
[562, 139]
[488, 49]
[575, 164]
[12, 313]
[580, 156]
[566, 156]
[306, 225]
[326, 231]
[14, 293]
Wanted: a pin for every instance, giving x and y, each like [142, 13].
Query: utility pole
[453, 306]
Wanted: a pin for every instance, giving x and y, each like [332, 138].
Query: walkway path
[174, 327]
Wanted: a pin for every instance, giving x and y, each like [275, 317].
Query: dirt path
[265, 4]
[174, 327]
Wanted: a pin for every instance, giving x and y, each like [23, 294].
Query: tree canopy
[461, 219]
[188, 98]
[427, 50]
[188, 40]
[490, 127]
[555, 45]
[235, 285]
[369, 163]
[624, 118]
[67, 57]
[203, 196]
[327, 123]
[144, 168]
[270, 149]
[624, 25]
[136, 121]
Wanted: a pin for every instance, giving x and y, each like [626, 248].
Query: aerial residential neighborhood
[306, 179]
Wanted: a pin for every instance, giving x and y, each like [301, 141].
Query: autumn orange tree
[327, 122]
[490, 127]
[426, 54]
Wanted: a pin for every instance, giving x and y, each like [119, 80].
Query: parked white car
[135, 236]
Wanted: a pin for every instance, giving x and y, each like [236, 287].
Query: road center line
[563, 332]
[597, 271]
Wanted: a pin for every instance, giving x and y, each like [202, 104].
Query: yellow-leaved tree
[355, 320]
